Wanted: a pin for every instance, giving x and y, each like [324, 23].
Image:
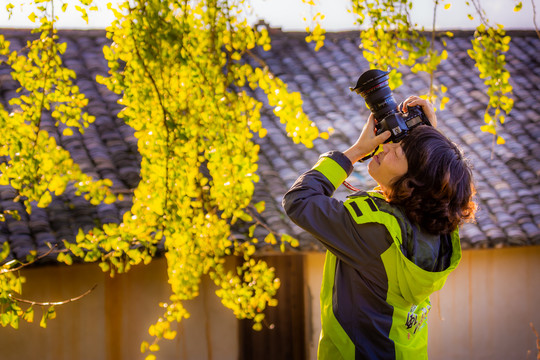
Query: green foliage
[182, 80]
[314, 29]
[10, 283]
[194, 125]
[37, 167]
[11, 311]
[389, 40]
[489, 46]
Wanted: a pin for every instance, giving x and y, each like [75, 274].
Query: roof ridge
[278, 31]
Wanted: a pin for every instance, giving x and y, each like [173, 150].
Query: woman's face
[388, 165]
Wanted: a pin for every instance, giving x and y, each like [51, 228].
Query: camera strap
[350, 187]
[367, 157]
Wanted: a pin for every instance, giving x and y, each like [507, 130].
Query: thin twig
[534, 19]
[11, 296]
[3, 271]
[480, 12]
[42, 102]
[259, 222]
[260, 61]
[122, 191]
[164, 118]
[432, 49]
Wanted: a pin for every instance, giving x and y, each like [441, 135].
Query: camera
[372, 85]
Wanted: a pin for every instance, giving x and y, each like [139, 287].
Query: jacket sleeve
[310, 205]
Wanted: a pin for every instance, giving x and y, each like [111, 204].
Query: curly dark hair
[437, 191]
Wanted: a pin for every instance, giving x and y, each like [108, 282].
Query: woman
[390, 248]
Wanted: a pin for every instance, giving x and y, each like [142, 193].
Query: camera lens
[373, 86]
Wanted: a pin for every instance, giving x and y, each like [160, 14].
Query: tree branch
[259, 222]
[261, 62]
[480, 12]
[3, 271]
[431, 50]
[165, 116]
[534, 19]
[11, 296]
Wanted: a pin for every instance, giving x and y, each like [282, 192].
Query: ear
[402, 187]
[409, 185]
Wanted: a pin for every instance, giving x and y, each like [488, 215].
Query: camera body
[372, 85]
[399, 124]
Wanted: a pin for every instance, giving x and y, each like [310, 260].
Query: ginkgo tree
[185, 71]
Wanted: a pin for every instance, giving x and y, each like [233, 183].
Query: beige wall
[313, 271]
[483, 312]
[487, 305]
[112, 321]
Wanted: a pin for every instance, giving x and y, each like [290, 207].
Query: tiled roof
[508, 184]
[107, 149]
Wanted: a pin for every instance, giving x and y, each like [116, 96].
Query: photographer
[390, 248]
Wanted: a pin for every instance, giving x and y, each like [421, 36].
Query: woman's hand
[367, 142]
[426, 106]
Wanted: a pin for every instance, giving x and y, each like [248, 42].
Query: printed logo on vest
[416, 319]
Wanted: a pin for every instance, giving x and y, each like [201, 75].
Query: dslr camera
[373, 86]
